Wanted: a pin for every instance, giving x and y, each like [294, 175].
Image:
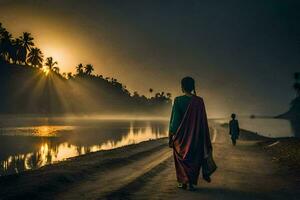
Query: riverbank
[46, 182]
[285, 151]
[146, 171]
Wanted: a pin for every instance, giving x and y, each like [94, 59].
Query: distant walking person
[234, 129]
[189, 137]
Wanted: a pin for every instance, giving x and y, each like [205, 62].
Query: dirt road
[245, 172]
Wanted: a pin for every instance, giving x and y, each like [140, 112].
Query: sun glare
[45, 70]
[59, 54]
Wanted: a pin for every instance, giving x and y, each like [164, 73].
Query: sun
[45, 70]
[59, 53]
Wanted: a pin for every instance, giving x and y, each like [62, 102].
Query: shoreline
[127, 166]
[34, 183]
[283, 150]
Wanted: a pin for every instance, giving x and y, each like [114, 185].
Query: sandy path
[245, 172]
[107, 181]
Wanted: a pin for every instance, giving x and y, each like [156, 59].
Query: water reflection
[29, 148]
[39, 131]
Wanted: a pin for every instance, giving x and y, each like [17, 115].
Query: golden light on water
[49, 152]
[133, 137]
[38, 131]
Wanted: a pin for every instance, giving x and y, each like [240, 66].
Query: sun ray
[45, 70]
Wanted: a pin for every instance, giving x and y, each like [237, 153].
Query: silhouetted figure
[234, 129]
[189, 137]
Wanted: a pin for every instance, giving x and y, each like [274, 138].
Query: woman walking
[189, 137]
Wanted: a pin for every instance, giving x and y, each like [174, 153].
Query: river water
[32, 142]
[29, 143]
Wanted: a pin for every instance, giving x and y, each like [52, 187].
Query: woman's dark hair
[188, 84]
[233, 116]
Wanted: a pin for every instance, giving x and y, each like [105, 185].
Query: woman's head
[233, 116]
[188, 85]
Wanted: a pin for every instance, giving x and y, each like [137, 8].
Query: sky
[242, 54]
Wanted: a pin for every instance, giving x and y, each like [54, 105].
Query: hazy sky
[241, 53]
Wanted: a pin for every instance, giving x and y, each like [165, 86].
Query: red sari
[191, 143]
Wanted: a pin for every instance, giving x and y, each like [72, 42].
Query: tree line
[22, 51]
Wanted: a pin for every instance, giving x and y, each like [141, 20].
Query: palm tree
[150, 90]
[79, 69]
[2, 29]
[89, 68]
[14, 50]
[69, 75]
[51, 64]
[135, 94]
[35, 57]
[169, 95]
[56, 69]
[6, 45]
[27, 44]
[1, 58]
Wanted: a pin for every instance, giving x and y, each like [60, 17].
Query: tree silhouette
[2, 29]
[151, 91]
[9, 47]
[17, 46]
[89, 69]
[27, 44]
[21, 50]
[6, 44]
[35, 57]
[51, 64]
[79, 69]
[135, 94]
[14, 50]
[69, 75]
[169, 95]
[56, 69]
